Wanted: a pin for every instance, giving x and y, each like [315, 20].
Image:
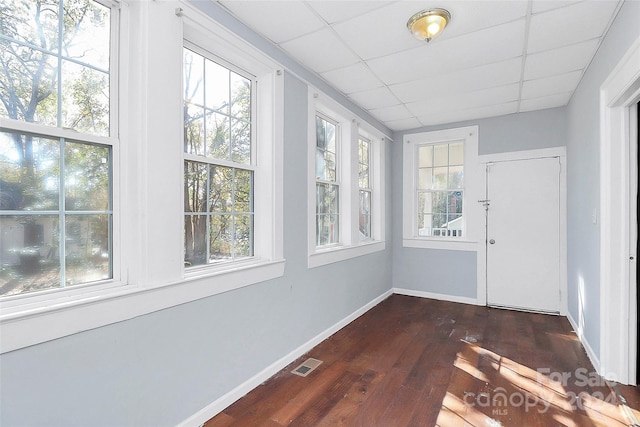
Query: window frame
[350, 128]
[13, 305]
[473, 190]
[369, 188]
[267, 157]
[226, 163]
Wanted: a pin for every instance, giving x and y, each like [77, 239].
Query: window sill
[341, 253]
[445, 244]
[34, 323]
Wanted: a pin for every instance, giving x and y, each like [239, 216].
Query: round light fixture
[429, 23]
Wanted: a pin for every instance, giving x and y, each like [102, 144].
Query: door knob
[492, 241]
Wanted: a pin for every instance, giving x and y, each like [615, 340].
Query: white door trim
[620, 90]
[560, 152]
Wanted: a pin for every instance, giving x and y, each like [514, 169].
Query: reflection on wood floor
[419, 362]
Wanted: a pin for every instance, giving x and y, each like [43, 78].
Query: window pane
[330, 134]
[86, 179]
[29, 89]
[454, 202]
[243, 191]
[195, 238]
[364, 221]
[456, 153]
[456, 177]
[86, 33]
[241, 141]
[193, 75]
[31, 22]
[425, 156]
[195, 187]
[217, 87]
[240, 97]
[425, 178]
[220, 187]
[363, 176]
[29, 247]
[321, 138]
[221, 230]
[330, 166]
[326, 199]
[363, 151]
[193, 129]
[87, 251]
[218, 142]
[333, 229]
[243, 236]
[32, 88]
[320, 165]
[29, 172]
[85, 99]
[425, 203]
[322, 229]
[440, 155]
[440, 178]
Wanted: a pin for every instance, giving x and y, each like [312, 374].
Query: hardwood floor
[419, 362]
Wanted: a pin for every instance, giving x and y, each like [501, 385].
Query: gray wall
[454, 272]
[161, 368]
[583, 179]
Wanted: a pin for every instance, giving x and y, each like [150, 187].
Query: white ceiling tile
[469, 15]
[472, 79]
[465, 100]
[386, 114]
[569, 25]
[470, 114]
[543, 5]
[321, 51]
[551, 85]
[403, 124]
[376, 98]
[380, 32]
[442, 56]
[559, 61]
[354, 78]
[334, 11]
[278, 21]
[551, 101]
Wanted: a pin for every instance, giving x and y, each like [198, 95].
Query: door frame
[617, 297]
[561, 153]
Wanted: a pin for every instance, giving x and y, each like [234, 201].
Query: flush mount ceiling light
[429, 23]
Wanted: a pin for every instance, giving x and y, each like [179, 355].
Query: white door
[523, 234]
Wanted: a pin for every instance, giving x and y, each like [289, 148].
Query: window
[56, 145]
[327, 183]
[364, 188]
[346, 184]
[218, 171]
[440, 189]
[441, 185]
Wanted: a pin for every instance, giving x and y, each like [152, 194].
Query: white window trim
[45, 316]
[351, 128]
[473, 219]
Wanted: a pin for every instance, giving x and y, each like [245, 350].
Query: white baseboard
[441, 297]
[223, 402]
[595, 361]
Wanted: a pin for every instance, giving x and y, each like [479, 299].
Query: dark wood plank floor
[419, 362]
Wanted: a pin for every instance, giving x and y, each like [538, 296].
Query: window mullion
[62, 223]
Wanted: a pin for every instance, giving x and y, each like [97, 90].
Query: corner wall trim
[441, 297]
[209, 411]
[585, 344]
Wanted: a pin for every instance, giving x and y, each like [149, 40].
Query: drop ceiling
[494, 58]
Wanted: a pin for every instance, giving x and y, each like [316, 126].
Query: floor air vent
[306, 367]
